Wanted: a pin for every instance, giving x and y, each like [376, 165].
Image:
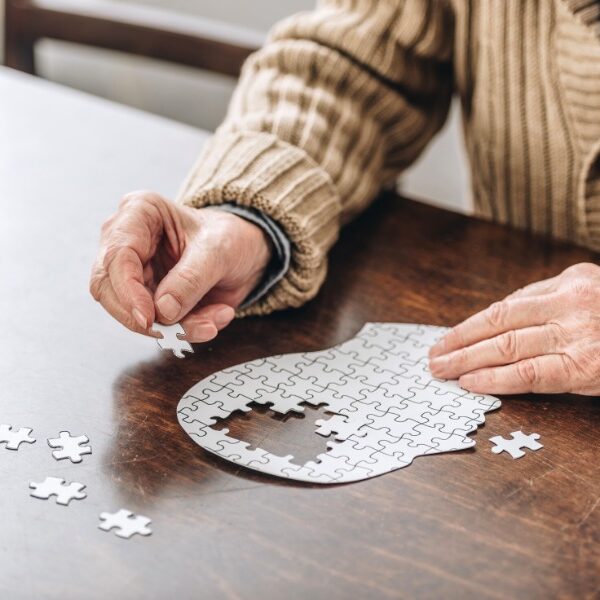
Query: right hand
[171, 263]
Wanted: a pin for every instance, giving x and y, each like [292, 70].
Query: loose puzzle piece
[515, 445]
[171, 339]
[125, 523]
[13, 438]
[54, 486]
[70, 447]
[386, 408]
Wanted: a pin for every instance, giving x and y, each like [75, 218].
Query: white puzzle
[171, 339]
[12, 437]
[125, 523]
[514, 446]
[70, 447]
[386, 407]
[55, 486]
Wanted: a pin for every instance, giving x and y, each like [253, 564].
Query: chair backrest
[135, 29]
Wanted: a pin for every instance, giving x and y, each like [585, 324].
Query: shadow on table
[153, 457]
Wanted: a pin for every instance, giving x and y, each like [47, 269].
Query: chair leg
[20, 57]
[19, 48]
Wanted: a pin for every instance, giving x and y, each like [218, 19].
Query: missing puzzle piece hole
[280, 434]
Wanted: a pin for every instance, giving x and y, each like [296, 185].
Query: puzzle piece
[13, 438]
[203, 412]
[251, 389]
[386, 408]
[306, 473]
[373, 437]
[349, 451]
[70, 447]
[275, 465]
[125, 523]
[337, 424]
[515, 445]
[171, 339]
[55, 486]
[335, 468]
[303, 390]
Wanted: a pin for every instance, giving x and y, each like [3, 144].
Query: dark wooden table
[463, 525]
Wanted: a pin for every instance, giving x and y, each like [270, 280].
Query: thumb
[192, 277]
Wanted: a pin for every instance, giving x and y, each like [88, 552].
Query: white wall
[200, 99]
[441, 175]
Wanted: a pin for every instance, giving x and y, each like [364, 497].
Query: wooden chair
[130, 28]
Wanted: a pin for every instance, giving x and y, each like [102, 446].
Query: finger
[129, 239]
[494, 320]
[539, 288]
[139, 224]
[549, 374]
[203, 324]
[196, 272]
[149, 276]
[107, 297]
[219, 314]
[504, 349]
[126, 274]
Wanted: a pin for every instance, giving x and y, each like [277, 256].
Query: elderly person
[335, 106]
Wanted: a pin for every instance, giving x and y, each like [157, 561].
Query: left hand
[543, 338]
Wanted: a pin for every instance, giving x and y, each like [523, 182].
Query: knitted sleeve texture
[336, 104]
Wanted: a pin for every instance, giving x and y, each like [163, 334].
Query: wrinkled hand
[166, 262]
[543, 338]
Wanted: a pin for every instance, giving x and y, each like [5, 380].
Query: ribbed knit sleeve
[336, 104]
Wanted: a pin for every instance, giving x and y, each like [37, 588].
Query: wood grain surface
[462, 525]
[467, 524]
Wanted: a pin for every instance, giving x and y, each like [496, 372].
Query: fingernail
[168, 307]
[204, 332]
[224, 317]
[139, 317]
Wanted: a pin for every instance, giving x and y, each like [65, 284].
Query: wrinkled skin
[543, 338]
[166, 262]
[162, 261]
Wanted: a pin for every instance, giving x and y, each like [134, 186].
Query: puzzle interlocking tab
[125, 523]
[386, 407]
[171, 339]
[13, 438]
[70, 447]
[515, 446]
[54, 486]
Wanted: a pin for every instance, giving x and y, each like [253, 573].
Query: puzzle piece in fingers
[386, 408]
[515, 445]
[70, 447]
[54, 486]
[125, 523]
[171, 339]
[12, 437]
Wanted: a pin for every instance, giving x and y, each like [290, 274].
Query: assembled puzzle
[386, 407]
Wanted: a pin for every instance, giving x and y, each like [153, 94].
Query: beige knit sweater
[343, 98]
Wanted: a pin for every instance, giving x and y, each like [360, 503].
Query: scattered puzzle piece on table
[171, 339]
[13, 438]
[125, 523]
[386, 408]
[70, 447]
[55, 486]
[515, 446]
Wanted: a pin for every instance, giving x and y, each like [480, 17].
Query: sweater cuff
[262, 172]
